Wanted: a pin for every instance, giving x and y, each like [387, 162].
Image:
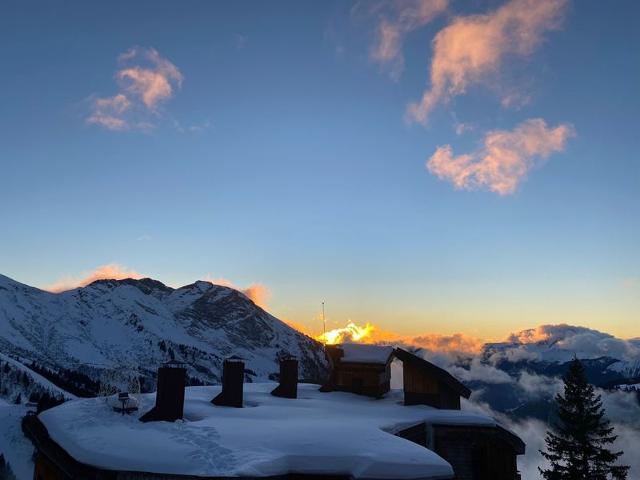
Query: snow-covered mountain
[143, 323]
[546, 347]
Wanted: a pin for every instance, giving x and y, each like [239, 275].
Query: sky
[431, 166]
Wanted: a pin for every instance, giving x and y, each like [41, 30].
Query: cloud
[145, 81]
[406, 16]
[457, 343]
[111, 271]
[472, 48]
[256, 292]
[504, 159]
[153, 83]
[562, 342]
[479, 371]
[108, 112]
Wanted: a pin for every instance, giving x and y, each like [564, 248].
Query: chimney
[170, 394]
[288, 387]
[232, 383]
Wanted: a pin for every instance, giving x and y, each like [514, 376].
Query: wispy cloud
[145, 80]
[404, 17]
[256, 292]
[504, 159]
[471, 48]
[112, 271]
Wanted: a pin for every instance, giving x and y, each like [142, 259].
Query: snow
[635, 386]
[36, 377]
[15, 447]
[113, 323]
[361, 353]
[318, 433]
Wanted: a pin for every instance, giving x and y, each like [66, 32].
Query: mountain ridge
[143, 322]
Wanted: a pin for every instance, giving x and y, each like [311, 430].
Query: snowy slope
[143, 323]
[15, 447]
[37, 378]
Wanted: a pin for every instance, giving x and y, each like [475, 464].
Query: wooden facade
[428, 384]
[474, 452]
[371, 379]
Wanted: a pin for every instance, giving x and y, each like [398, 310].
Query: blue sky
[284, 155]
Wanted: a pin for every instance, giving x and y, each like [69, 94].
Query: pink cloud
[107, 112]
[145, 81]
[471, 48]
[407, 16]
[154, 82]
[504, 159]
[111, 271]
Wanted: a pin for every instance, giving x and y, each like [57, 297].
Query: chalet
[282, 431]
[360, 369]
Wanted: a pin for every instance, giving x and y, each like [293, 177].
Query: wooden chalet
[366, 370]
[360, 369]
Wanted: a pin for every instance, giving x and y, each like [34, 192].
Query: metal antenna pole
[324, 327]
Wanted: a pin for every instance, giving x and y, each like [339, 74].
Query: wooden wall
[476, 453]
[363, 378]
[423, 388]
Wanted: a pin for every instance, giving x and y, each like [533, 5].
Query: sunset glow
[350, 333]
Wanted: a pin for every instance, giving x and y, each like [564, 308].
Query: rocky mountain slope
[138, 324]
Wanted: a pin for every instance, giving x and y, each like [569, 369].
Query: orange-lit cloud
[458, 343]
[145, 80]
[256, 292]
[108, 112]
[505, 158]
[112, 271]
[152, 83]
[474, 47]
[352, 333]
[405, 17]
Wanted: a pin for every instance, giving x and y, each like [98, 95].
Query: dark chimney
[232, 383]
[288, 387]
[170, 395]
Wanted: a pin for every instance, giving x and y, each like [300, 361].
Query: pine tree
[577, 446]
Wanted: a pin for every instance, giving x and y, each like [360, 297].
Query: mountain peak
[146, 285]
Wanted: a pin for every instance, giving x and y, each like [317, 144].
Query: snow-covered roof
[317, 433]
[361, 353]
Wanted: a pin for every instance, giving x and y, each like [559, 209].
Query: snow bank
[318, 433]
[361, 353]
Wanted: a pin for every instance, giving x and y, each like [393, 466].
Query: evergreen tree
[577, 446]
